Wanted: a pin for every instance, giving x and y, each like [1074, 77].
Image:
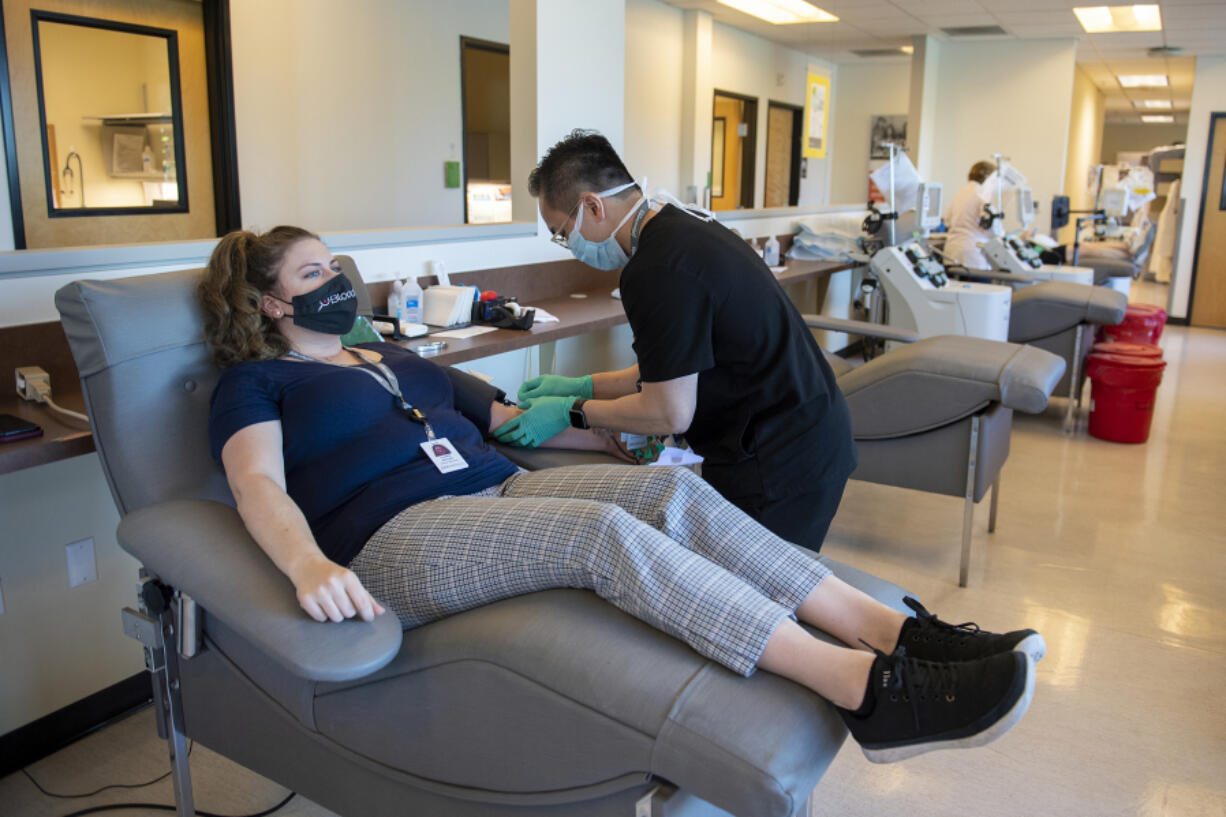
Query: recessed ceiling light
[1107, 19]
[1159, 104]
[782, 12]
[1143, 80]
[1158, 118]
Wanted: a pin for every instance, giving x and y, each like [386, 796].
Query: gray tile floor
[1116, 552]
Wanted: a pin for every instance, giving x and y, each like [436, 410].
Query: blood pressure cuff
[473, 397]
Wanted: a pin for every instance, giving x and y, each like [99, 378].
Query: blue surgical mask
[607, 254]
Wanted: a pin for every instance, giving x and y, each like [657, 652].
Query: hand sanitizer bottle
[771, 254]
[411, 298]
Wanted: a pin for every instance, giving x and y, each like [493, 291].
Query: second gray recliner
[1062, 318]
[936, 415]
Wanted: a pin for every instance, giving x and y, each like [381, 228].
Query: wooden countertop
[595, 310]
[64, 437]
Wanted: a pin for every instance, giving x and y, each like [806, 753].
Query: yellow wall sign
[817, 106]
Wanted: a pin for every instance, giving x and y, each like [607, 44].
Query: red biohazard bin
[1119, 347]
[1141, 324]
[1122, 397]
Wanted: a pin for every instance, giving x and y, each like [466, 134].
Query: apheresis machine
[1012, 254]
[920, 296]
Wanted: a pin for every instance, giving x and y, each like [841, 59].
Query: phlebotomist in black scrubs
[723, 355]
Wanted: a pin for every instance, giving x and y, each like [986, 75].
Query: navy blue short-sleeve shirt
[353, 458]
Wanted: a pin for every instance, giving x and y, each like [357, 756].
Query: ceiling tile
[953, 20]
[1041, 31]
[1177, 14]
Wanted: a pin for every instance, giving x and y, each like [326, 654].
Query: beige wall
[346, 112]
[1085, 138]
[1120, 137]
[861, 92]
[1011, 97]
[653, 93]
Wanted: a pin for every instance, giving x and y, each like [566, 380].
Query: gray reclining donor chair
[549, 703]
[936, 415]
[1061, 317]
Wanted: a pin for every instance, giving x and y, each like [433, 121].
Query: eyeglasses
[558, 238]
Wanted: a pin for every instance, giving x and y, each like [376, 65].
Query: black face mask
[331, 308]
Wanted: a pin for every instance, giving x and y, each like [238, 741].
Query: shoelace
[922, 614]
[917, 680]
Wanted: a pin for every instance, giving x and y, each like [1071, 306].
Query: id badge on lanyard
[439, 450]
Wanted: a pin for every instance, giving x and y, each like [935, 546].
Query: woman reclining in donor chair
[363, 473]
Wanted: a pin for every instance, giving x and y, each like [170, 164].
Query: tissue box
[448, 305]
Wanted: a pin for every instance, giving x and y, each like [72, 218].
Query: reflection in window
[111, 135]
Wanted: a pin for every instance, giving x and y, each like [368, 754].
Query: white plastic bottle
[394, 300]
[411, 298]
[771, 254]
[146, 160]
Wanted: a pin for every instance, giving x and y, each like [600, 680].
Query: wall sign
[817, 105]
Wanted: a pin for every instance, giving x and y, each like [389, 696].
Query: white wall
[1208, 96]
[751, 66]
[1010, 97]
[1085, 137]
[654, 57]
[861, 92]
[60, 644]
[346, 112]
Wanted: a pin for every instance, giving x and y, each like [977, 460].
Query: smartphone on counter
[14, 428]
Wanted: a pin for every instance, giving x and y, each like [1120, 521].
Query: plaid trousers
[658, 543]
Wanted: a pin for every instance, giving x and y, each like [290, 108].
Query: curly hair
[242, 268]
[583, 161]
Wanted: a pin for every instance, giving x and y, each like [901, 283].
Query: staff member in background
[723, 355]
[962, 217]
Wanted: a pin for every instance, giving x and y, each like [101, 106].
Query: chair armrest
[872, 330]
[203, 549]
[1014, 279]
[536, 459]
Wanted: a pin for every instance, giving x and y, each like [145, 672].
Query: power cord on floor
[190, 745]
[161, 807]
[153, 806]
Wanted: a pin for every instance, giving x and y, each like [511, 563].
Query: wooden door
[726, 185]
[778, 156]
[1209, 281]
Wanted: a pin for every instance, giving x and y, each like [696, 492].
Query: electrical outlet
[29, 378]
[82, 567]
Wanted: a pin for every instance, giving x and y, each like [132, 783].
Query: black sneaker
[926, 636]
[919, 706]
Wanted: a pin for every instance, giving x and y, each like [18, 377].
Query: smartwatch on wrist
[577, 418]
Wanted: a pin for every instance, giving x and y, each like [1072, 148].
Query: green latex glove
[552, 384]
[548, 416]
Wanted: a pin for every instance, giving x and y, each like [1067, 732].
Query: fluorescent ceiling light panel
[1143, 80]
[1158, 118]
[1159, 104]
[1113, 19]
[782, 12]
